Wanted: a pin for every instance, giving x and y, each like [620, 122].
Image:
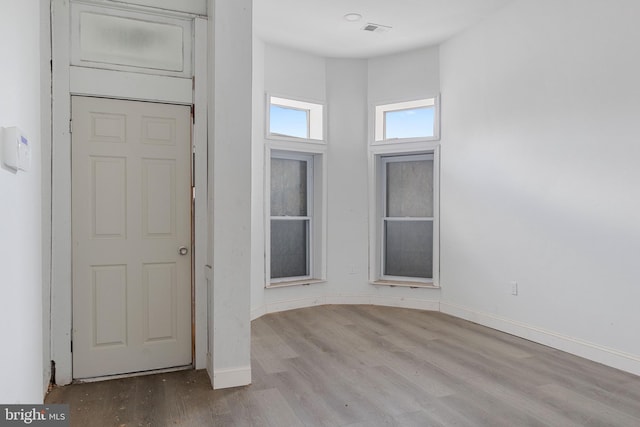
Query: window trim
[316, 118]
[379, 120]
[308, 159]
[316, 197]
[376, 233]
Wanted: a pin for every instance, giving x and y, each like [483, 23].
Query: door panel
[131, 212]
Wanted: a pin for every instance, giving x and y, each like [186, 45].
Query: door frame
[68, 81]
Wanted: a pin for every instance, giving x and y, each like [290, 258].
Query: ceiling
[319, 27]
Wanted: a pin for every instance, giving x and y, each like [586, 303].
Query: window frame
[316, 208]
[308, 159]
[385, 219]
[316, 118]
[380, 126]
[377, 198]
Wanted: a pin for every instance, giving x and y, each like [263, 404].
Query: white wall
[257, 175]
[404, 76]
[347, 87]
[347, 239]
[401, 77]
[287, 73]
[230, 111]
[294, 73]
[540, 108]
[20, 211]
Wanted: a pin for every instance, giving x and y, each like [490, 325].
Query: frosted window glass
[289, 256]
[131, 42]
[409, 123]
[288, 121]
[410, 189]
[408, 249]
[288, 187]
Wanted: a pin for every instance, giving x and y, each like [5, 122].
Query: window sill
[397, 141]
[294, 283]
[406, 284]
[299, 140]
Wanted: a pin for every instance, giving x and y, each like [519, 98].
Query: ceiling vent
[375, 28]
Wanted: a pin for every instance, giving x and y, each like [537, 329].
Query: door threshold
[132, 374]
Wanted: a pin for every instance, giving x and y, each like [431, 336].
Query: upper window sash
[385, 197]
[388, 118]
[309, 176]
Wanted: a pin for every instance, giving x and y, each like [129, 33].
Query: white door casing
[131, 214]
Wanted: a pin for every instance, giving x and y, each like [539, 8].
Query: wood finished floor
[373, 366]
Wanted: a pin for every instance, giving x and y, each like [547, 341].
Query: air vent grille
[375, 28]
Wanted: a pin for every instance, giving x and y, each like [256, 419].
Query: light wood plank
[374, 366]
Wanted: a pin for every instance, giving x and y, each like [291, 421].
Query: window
[404, 209]
[295, 192]
[291, 216]
[293, 119]
[407, 121]
[407, 218]
[286, 121]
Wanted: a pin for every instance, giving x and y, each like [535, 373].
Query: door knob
[182, 250]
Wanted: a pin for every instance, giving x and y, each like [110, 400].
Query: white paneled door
[131, 225]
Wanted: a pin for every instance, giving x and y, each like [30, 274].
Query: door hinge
[70, 125]
[193, 114]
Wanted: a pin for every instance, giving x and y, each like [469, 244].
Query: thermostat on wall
[16, 149]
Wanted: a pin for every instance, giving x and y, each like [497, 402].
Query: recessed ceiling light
[352, 17]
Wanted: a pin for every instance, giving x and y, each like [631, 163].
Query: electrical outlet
[514, 288]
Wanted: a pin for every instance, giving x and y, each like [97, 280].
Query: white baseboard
[416, 304]
[258, 312]
[236, 377]
[348, 300]
[293, 304]
[286, 305]
[594, 352]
